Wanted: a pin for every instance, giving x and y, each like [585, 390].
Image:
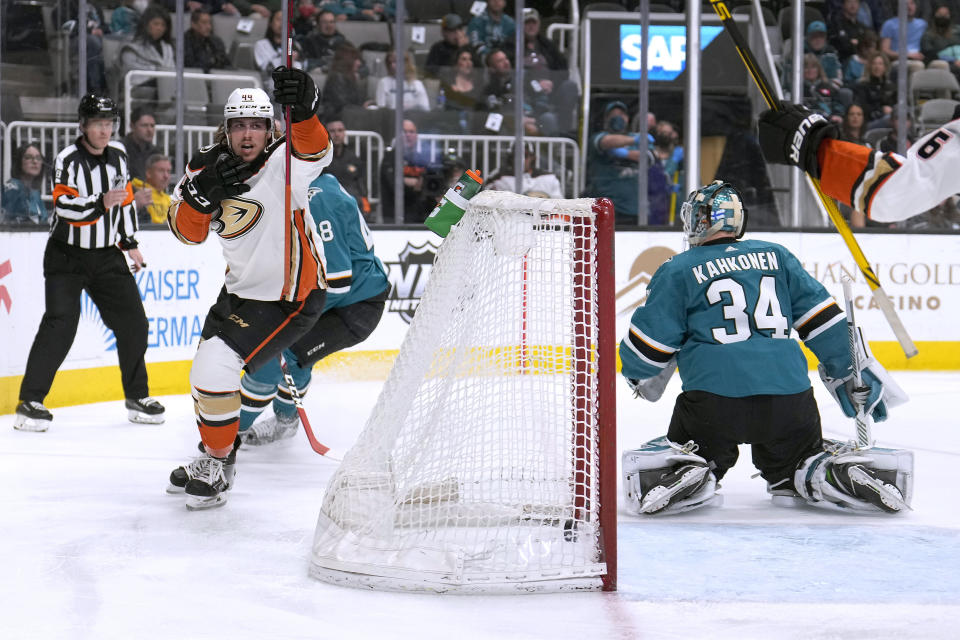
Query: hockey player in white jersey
[723, 311]
[356, 294]
[274, 287]
[886, 187]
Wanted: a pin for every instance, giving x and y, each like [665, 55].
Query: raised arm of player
[886, 186]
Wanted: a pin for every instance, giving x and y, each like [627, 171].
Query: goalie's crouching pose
[722, 311]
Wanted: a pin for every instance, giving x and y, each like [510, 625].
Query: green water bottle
[454, 202]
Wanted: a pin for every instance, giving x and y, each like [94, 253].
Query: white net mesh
[477, 470]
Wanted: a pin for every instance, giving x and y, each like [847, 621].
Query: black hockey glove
[792, 136]
[295, 88]
[225, 179]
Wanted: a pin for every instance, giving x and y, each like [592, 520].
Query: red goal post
[488, 464]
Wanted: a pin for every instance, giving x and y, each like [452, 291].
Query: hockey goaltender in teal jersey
[725, 310]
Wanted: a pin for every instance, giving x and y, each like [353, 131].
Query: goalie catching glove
[792, 135]
[225, 179]
[652, 388]
[295, 89]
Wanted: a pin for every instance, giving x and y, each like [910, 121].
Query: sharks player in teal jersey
[722, 311]
[357, 289]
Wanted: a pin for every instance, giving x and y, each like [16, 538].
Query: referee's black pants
[104, 274]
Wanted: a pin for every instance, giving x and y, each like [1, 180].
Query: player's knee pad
[645, 468]
[825, 480]
[216, 367]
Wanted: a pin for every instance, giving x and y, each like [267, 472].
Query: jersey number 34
[766, 312]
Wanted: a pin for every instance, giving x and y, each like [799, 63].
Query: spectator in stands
[942, 40]
[65, 14]
[150, 50]
[321, 43]
[890, 33]
[875, 92]
[263, 8]
[139, 141]
[547, 72]
[870, 13]
[889, 143]
[491, 29]
[202, 48]
[414, 93]
[845, 29]
[22, 203]
[373, 10]
[461, 87]
[348, 168]
[536, 182]
[269, 51]
[866, 48]
[304, 19]
[214, 7]
[816, 43]
[819, 93]
[124, 19]
[151, 194]
[854, 124]
[669, 155]
[344, 86]
[416, 162]
[612, 172]
[498, 97]
[443, 53]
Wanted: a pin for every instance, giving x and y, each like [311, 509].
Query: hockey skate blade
[174, 490]
[138, 417]
[659, 497]
[199, 503]
[889, 494]
[23, 423]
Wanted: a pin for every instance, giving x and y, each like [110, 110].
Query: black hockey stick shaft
[315, 444]
[765, 88]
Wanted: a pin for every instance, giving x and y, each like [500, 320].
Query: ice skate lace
[198, 466]
[148, 402]
[36, 406]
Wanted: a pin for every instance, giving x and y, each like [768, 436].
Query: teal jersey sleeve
[354, 272]
[726, 310]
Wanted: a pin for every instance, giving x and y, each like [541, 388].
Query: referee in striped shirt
[94, 222]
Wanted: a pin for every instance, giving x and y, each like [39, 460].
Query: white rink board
[181, 282]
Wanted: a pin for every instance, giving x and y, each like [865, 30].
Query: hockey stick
[853, 334]
[315, 444]
[879, 295]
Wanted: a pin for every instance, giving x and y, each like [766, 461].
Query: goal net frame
[402, 512]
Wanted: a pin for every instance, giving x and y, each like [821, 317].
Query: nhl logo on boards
[408, 279]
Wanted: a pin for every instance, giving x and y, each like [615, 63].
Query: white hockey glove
[652, 388]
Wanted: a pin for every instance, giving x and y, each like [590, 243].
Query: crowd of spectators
[462, 82]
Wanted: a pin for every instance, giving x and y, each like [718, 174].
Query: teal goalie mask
[712, 209]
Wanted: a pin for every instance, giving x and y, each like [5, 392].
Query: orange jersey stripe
[309, 264]
[64, 190]
[842, 165]
[187, 223]
[219, 439]
[309, 137]
[129, 197]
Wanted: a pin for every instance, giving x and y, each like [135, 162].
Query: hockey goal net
[488, 463]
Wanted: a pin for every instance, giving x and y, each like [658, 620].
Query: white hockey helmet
[248, 103]
[711, 209]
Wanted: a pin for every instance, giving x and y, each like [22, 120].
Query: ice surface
[92, 547]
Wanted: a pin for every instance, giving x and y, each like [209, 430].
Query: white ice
[92, 547]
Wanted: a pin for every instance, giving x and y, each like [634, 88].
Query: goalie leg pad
[860, 480]
[663, 477]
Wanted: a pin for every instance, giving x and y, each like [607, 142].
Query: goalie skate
[32, 416]
[274, 428]
[866, 485]
[674, 487]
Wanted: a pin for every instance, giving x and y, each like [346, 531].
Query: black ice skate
[32, 416]
[674, 486]
[180, 476]
[866, 484]
[208, 489]
[276, 427]
[144, 411]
